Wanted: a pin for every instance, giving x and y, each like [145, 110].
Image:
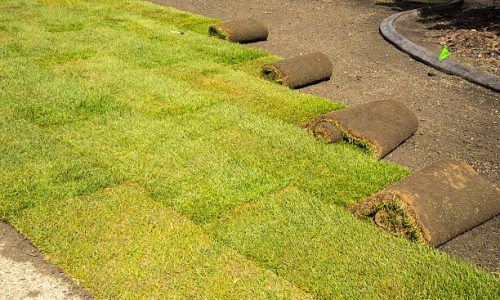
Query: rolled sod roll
[241, 31]
[380, 126]
[299, 71]
[433, 205]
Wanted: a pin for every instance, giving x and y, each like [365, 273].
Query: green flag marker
[444, 54]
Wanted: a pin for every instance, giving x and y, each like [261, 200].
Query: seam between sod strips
[149, 194]
[187, 216]
[253, 260]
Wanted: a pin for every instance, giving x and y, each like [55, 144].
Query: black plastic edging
[427, 57]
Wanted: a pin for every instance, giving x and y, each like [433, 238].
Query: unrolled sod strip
[380, 125]
[241, 31]
[299, 71]
[433, 205]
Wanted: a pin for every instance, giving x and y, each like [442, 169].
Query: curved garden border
[427, 57]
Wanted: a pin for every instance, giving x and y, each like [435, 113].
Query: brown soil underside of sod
[301, 70]
[457, 118]
[383, 124]
[438, 198]
[244, 31]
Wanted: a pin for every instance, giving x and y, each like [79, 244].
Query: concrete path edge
[427, 57]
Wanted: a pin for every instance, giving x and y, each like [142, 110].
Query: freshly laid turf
[156, 253]
[323, 250]
[149, 160]
[36, 168]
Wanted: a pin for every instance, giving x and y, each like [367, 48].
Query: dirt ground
[484, 237]
[24, 274]
[458, 119]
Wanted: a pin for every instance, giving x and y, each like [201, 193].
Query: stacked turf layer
[148, 163]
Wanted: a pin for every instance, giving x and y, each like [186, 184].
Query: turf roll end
[217, 31]
[299, 71]
[380, 126]
[392, 211]
[327, 132]
[434, 205]
[240, 31]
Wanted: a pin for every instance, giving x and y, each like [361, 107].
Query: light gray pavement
[24, 274]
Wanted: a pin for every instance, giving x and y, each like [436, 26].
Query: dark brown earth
[25, 274]
[458, 119]
[472, 34]
[483, 237]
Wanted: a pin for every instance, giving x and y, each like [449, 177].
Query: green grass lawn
[149, 163]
